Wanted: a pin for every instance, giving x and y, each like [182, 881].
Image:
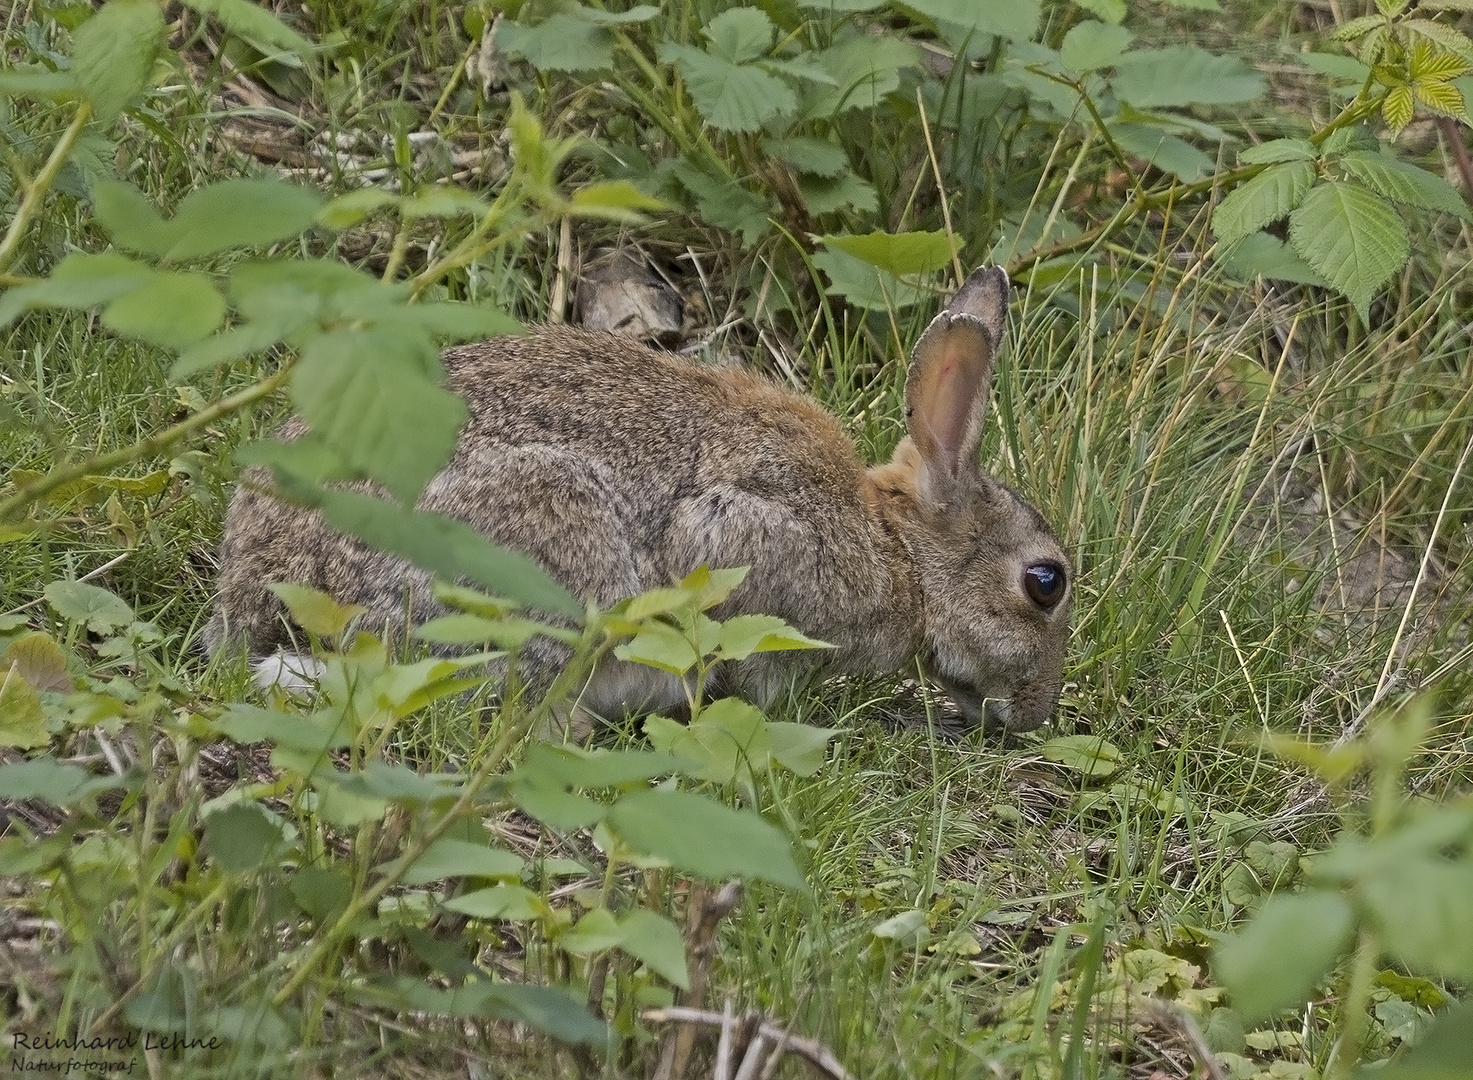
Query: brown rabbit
[619, 468]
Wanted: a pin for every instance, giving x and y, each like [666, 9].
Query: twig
[815, 1053]
[1453, 136]
[59, 477]
[37, 189]
[703, 915]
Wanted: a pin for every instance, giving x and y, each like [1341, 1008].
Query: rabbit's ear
[984, 296]
[946, 391]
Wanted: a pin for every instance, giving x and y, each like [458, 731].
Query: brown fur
[619, 468]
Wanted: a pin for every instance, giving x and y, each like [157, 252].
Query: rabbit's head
[994, 579]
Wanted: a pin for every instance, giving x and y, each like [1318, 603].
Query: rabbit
[619, 468]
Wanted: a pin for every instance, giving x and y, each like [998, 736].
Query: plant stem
[562, 686]
[65, 474]
[37, 189]
[1353, 1009]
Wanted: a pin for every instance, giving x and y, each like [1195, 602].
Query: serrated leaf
[1442, 97]
[251, 21]
[39, 660]
[1016, 20]
[80, 280]
[373, 394]
[1280, 957]
[1184, 75]
[1276, 151]
[1357, 27]
[113, 54]
[1403, 182]
[1267, 197]
[1398, 108]
[656, 942]
[739, 34]
[661, 646]
[1088, 755]
[1440, 36]
[743, 635]
[703, 837]
[1262, 255]
[725, 203]
[864, 285]
[817, 157]
[172, 310]
[730, 97]
[866, 69]
[1441, 1053]
[83, 603]
[240, 214]
[1352, 237]
[561, 42]
[1167, 152]
[896, 253]
[1090, 45]
[825, 196]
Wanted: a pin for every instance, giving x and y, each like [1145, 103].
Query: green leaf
[546, 1008]
[569, 766]
[729, 97]
[906, 929]
[547, 801]
[800, 748]
[825, 196]
[448, 548]
[315, 611]
[1403, 182]
[240, 214]
[1167, 152]
[39, 660]
[1261, 255]
[243, 837]
[172, 310]
[512, 902]
[562, 42]
[816, 157]
[448, 858]
[1088, 755]
[129, 218]
[373, 395]
[247, 724]
[48, 779]
[703, 837]
[1090, 45]
[348, 210]
[661, 646]
[615, 200]
[864, 285]
[841, 6]
[1280, 957]
[22, 717]
[244, 340]
[1016, 20]
[596, 932]
[1422, 911]
[1112, 11]
[1278, 150]
[1442, 1053]
[725, 203]
[655, 941]
[113, 54]
[1352, 237]
[743, 635]
[83, 603]
[896, 253]
[1343, 70]
[865, 69]
[1267, 197]
[79, 281]
[38, 82]
[740, 34]
[251, 21]
[1184, 75]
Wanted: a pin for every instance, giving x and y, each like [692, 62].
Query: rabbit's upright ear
[946, 391]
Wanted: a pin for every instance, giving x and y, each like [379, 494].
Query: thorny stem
[36, 190]
[63, 475]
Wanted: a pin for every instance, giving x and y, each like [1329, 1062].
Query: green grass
[1212, 486]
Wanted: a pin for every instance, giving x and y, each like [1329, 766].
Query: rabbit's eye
[1044, 584]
